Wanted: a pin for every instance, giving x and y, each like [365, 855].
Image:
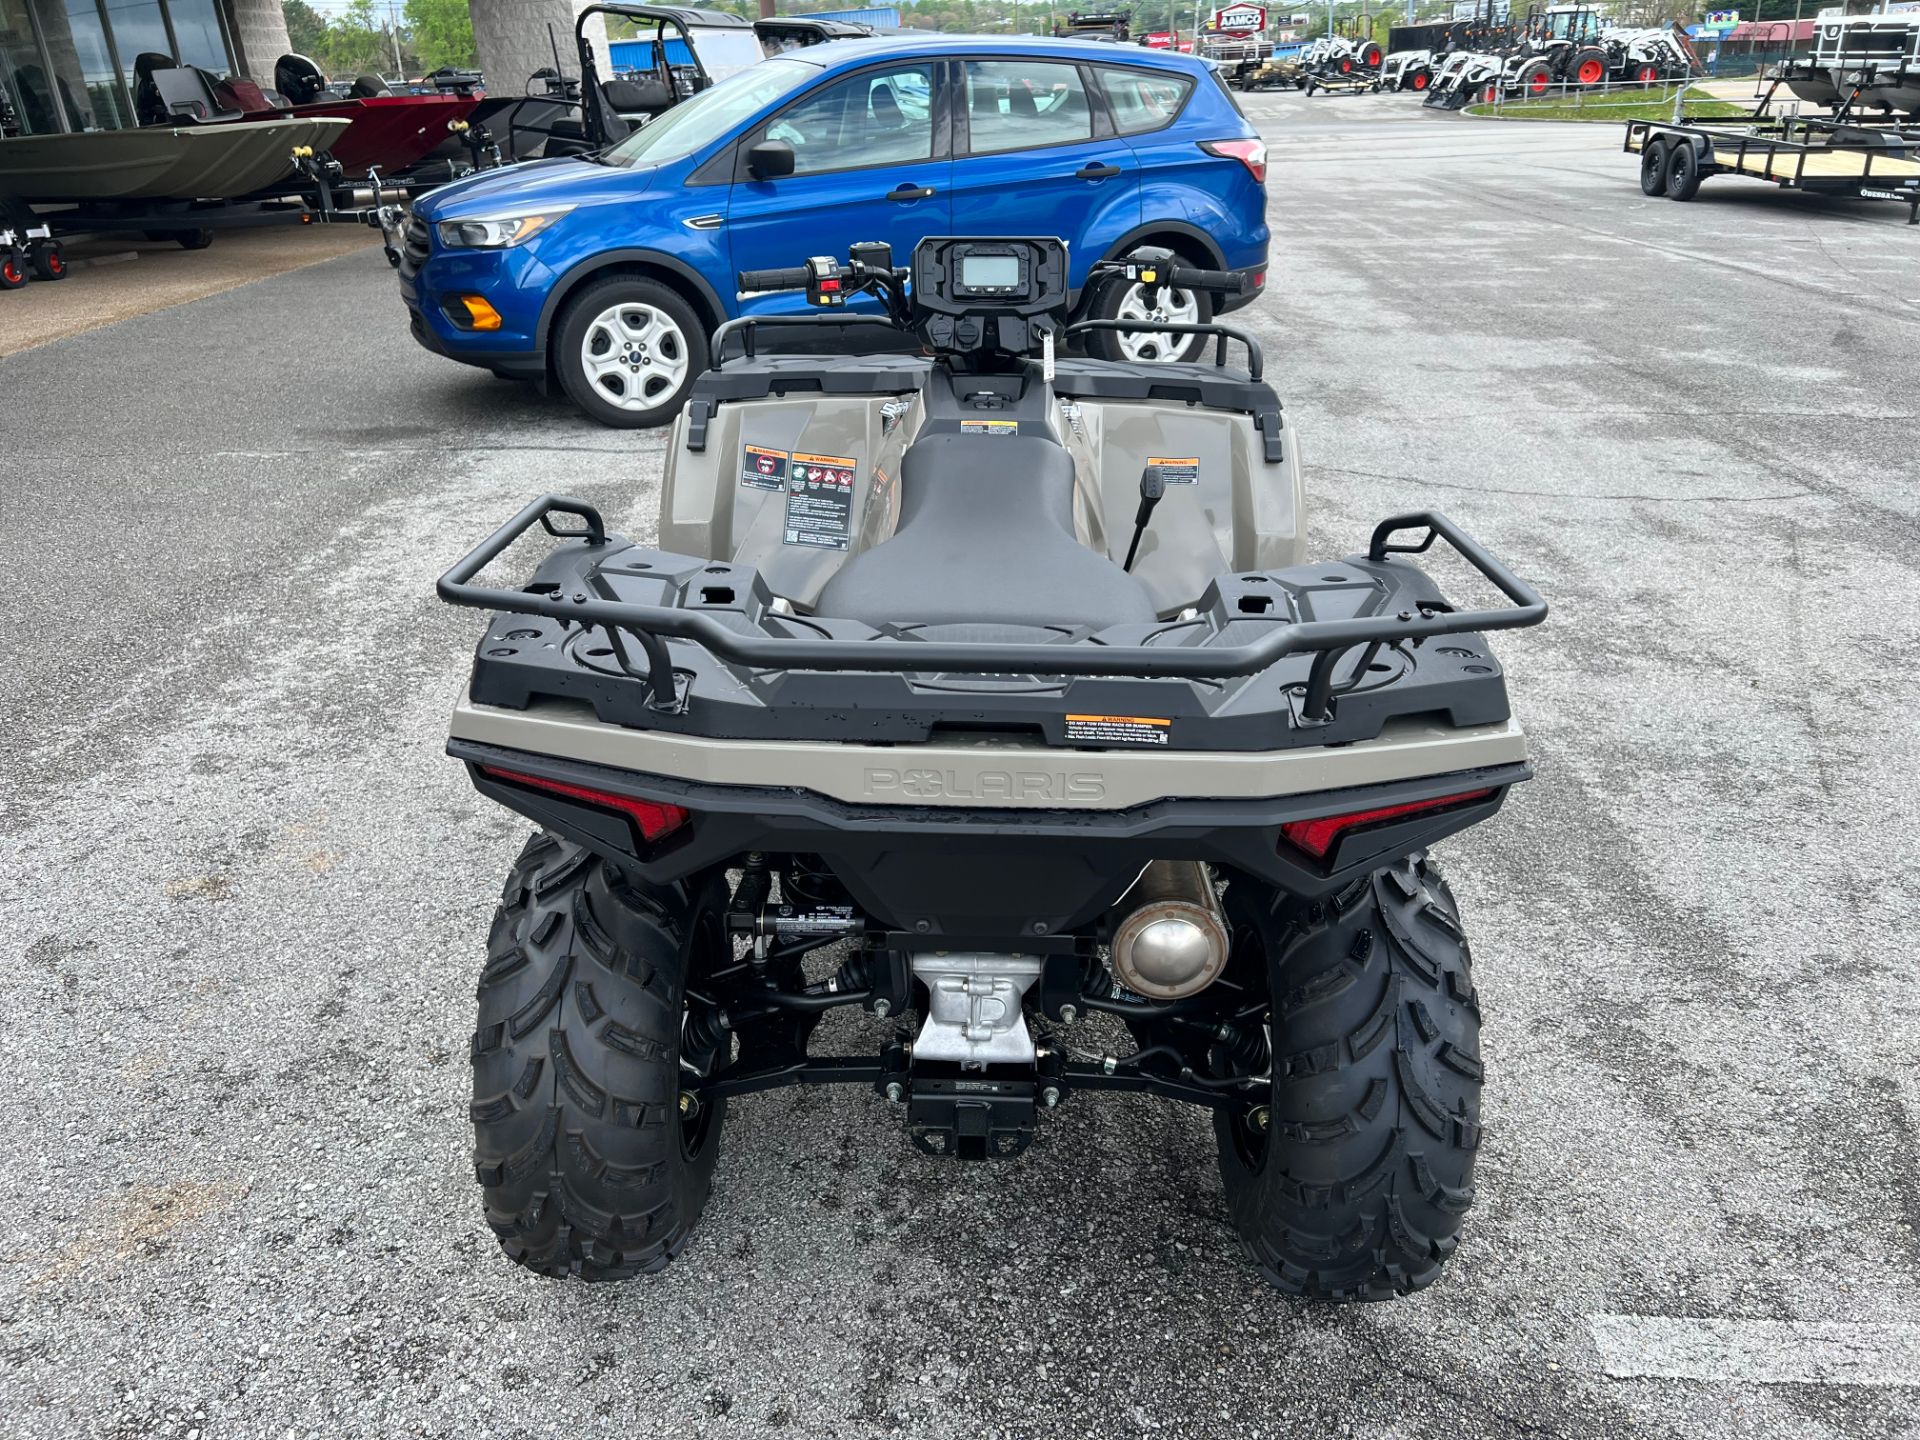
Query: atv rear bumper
[985, 843]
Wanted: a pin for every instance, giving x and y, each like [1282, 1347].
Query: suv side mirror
[769, 159]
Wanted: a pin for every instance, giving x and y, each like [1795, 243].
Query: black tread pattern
[576, 1067]
[1368, 1157]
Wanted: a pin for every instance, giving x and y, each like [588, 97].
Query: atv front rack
[652, 625]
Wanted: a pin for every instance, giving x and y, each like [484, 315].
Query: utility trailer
[1360, 82]
[1856, 161]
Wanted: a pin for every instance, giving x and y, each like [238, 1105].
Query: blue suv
[607, 273]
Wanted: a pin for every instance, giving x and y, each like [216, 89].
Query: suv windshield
[711, 114]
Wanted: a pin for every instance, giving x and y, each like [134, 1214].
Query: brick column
[259, 34]
[510, 37]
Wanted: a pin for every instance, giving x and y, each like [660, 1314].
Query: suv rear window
[1142, 100]
[1024, 104]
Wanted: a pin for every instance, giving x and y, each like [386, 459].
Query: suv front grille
[418, 245]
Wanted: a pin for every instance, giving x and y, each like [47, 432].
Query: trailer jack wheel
[48, 263]
[13, 273]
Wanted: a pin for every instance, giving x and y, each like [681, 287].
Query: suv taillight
[1250, 153]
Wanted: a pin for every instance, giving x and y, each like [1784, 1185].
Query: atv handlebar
[792, 277]
[1228, 282]
[651, 625]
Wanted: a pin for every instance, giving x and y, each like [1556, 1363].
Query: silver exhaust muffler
[1172, 939]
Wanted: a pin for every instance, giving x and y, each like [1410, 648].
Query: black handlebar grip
[793, 278]
[1230, 281]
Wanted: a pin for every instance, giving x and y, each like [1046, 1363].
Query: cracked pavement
[244, 896]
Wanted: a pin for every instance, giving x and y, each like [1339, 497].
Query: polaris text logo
[984, 785]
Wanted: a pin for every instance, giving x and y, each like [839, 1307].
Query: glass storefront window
[70, 64]
[87, 42]
[39, 84]
[197, 28]
[138, 29]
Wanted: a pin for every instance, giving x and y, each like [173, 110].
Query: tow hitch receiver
[971, 1117]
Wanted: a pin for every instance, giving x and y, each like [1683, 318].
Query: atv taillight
[1250, 153]
[1317, 836]
[651, 818]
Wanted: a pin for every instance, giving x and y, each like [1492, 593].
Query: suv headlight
[498, 233]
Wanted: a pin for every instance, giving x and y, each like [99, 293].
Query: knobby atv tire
[587, 1166]
[1357, 1187]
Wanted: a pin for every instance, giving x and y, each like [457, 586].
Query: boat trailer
[315, 194]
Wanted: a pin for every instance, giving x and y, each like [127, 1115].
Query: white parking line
[1760, 1352]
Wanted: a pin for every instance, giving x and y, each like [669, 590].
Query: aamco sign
[1238, 20]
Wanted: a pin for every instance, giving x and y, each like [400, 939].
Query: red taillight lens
[650, 817]
[1250, 153]
[1317, 836]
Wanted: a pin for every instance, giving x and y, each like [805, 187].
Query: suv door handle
[1096, 170]
[907, 190]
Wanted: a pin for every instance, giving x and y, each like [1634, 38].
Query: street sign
[1238, 20]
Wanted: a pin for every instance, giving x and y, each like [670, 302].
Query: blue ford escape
[608, 273]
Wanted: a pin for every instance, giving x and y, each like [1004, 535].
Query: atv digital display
[989, 272]
[989, 295]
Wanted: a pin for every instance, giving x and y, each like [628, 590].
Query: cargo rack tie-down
[653, 625]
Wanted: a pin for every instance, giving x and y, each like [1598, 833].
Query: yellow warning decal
[1175, 469]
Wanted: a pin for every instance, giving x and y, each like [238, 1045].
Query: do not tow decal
[1118, 729]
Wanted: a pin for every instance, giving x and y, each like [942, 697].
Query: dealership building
[69, 65]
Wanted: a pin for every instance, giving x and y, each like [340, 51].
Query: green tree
[441, 32]
[357, 44]
[306, 27]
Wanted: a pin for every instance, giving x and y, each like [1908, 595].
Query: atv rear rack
[652, 625]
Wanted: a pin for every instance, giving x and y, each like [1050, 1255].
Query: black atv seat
[984, 543]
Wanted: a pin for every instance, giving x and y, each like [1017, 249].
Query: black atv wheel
[1355, 1186]
[590, 1162]
[1653, 168]
[1683, 173]
[627, 350]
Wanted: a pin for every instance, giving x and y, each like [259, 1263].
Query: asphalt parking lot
[243, 896]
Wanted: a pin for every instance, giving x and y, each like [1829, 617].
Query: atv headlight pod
[497, 232]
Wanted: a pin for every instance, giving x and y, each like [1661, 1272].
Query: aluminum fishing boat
[188, 162]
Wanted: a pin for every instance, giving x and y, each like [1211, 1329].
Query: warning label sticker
[989, 427]
[1118, 729]
[820, 500]
[762, 468]
[1176, 469]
